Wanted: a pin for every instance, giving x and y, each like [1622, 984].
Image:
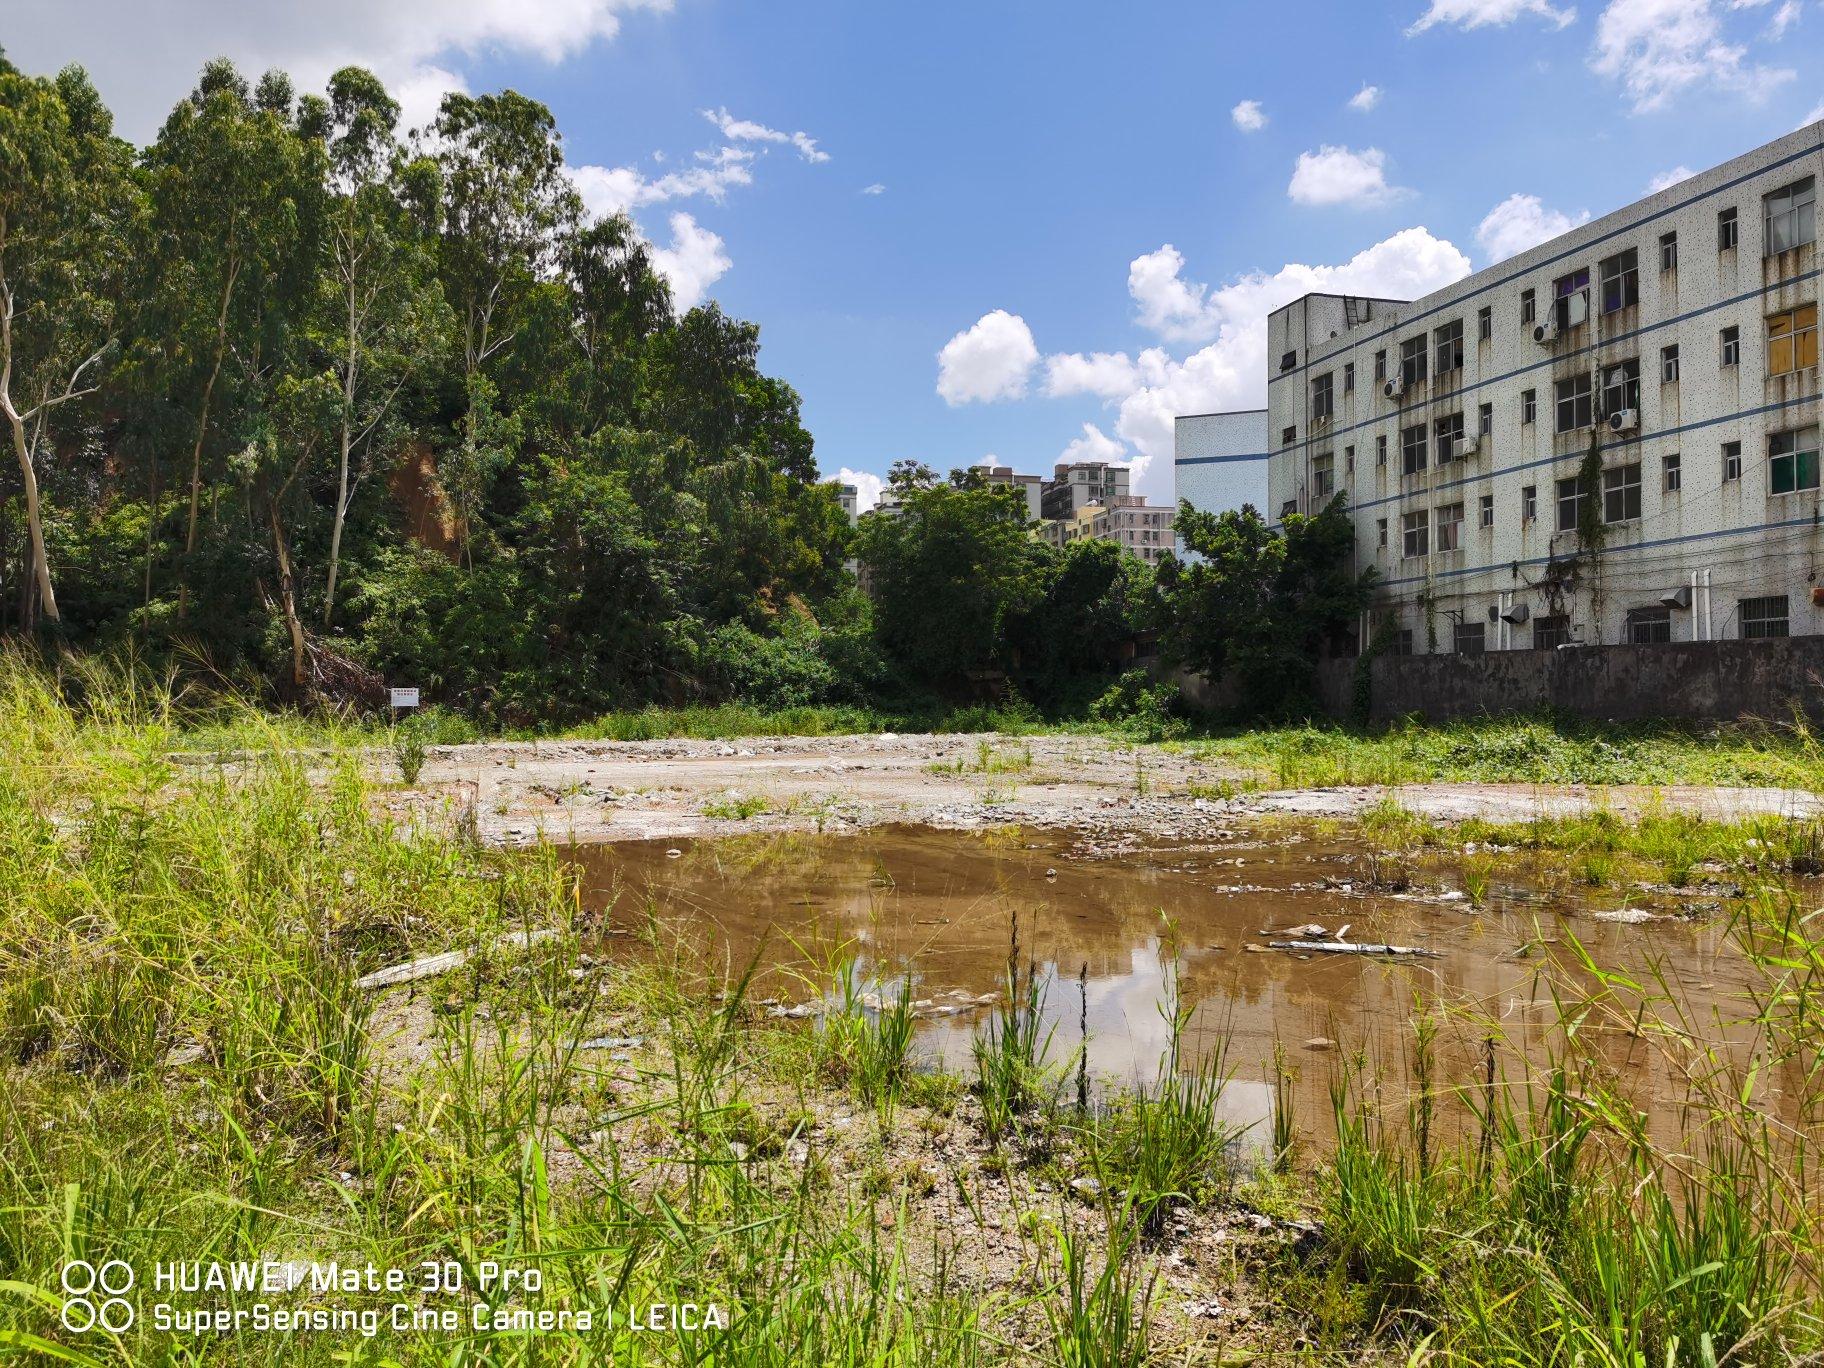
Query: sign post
[404, 698]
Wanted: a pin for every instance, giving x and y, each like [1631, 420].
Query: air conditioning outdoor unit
[1516, 613]
[1624, 420]
[1394, 387]
[1677, 598]
[1468, 445]
[1545, 331]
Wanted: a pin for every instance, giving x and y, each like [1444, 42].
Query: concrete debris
[432, 965]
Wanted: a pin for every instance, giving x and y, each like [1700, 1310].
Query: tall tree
[63, 190]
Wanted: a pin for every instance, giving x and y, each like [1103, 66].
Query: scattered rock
[613, 1043]
[1320, 1043]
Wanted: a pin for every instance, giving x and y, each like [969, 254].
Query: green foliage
[1134, 703]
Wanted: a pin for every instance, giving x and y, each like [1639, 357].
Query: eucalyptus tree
[65, 192]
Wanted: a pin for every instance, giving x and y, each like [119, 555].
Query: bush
[1136, 704]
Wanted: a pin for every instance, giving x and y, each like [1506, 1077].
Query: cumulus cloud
[867, 487]
[875, 189]
[1519, 222]
[1817, 113]
[1175, 308]
[1093, 445]
[692, 262]
[1338, 175]
[993, 359]
[746, 130]
[1248, 116]
[1472, 14]
[620, 189]
[145, 57]
[1107, 375]
[1658, 49]
[1665, 180]
[1365, 99]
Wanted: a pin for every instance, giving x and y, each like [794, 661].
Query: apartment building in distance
[1127, 519]
[1674, 341]
[1075, 484]
[1031, 487]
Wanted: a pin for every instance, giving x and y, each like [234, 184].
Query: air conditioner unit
[1468, 445]
[1577, 309]
[1516, 613]
[1545, 331]
[1394, 387]
[1624, 420]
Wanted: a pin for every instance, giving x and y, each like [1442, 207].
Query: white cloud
[746, 130]
[1107, 375]
[867, 487]
[994, 359]
[1473, 14]
[1093, 445]
[1248, 116]
[692, 263]
[1337, 175]
[1660, 48]
[1784, 18]
[1519, 222]
[619, 189]
[1816, 114]
[1366, 98]
[875, 189]
[1175, 308]
[1665, 180]
[144, 58]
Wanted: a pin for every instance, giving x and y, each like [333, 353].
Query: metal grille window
[1550, 632]
[1668, 365]
[1412, 449]
[1620, 278]
[1727, 230]
[1732, 461]
[1732, 346]
[1574, 410]
[1467, 638]
[1529, 406]
[1668, 251]
[1449, 432]
[1450, 527]
[1449, 340]
[1792, 216]
[1402, 642]
[1763, 617]
[1792, 340]
[1621, 386]
[1570, 500]
[1527, 306]
[1323, 398]
[1485, 324]
[1412, 362]
[1792, 461]
[1529, 503]
[1621, 493]
[1415, 534]
[1323, 476]
[1649, 626]
[1485, 511]
[1381, 527]
[1485, 420]
[1672, 468]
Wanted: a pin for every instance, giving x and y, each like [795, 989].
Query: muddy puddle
[1111, 933]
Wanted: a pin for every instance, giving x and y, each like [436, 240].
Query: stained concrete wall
[1716, 680]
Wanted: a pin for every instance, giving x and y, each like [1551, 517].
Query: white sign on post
[405, 698]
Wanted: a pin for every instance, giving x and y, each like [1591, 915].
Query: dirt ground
[579, 791]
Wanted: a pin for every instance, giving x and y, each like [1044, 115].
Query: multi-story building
[1127, 520]
[1219, 461]
[1031, 487]
[1612, 437]
[850, 498]
[1077, 483]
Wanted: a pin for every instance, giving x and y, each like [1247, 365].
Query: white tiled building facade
[1682, 331]
[1219, 461]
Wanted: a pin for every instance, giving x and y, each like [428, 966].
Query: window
[1791, 217]
[1621, 493]
[1526, 306]
[1449, 432]
[1763, 617]
[1288, 508]
[1485, 324]
[1349, 460]
[1412, 362]
[1529, 406]
[1563, 289]
[1288, 436]
[1732, 346]
[1380, 451]
[1380, 366]
[1620, 279]
[1792, 340]
[1466, 638]
[1485, 511]
[1450, 527]
[1323, 476]
[1415, 533]
[1726, 231]
[1449, 339]
[1621, 386]
[1668, 251]
[1792, 461]
[1732, 461]
[1673, 469]
[1668, 365]
[1380, 525]
[1485, 420]
[1529, 503]
[1289, 360]
[1412, 449]
[1323, 398]
[1570, 501]
[1349, 377]
[1649, 626]
[1574, 404]
[1551, 632]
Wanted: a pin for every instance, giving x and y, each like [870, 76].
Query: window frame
[1730, 339]
[1621, 494]
[1569, 494]
[1764, 617]
[1668, 364]
[1672, 473]
[1618, 281]
[1415, 524]
[1668, 252]
[1578, 392]
[1529, 306]
[1621, 386]
[1323, 475]
[1793, 331]
[1463, 632]
[1485, 511]
[1485, 323]
[1485, 420]
[1728, 229]
[1409, 464]
[1789, 217]
[1323, 397]
[1650, 625]
[1449, 527]
[1732, 461]
[1529, 407]
[1798, 458]
[1447, 438]
[1447, 349]
[1555, 627]
[1413, 358]
[1529, 503]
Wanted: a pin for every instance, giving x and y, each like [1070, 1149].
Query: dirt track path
[521, 792]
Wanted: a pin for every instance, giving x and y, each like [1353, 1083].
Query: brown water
[938, 906]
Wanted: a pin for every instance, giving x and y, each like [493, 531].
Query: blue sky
[1062, 201]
